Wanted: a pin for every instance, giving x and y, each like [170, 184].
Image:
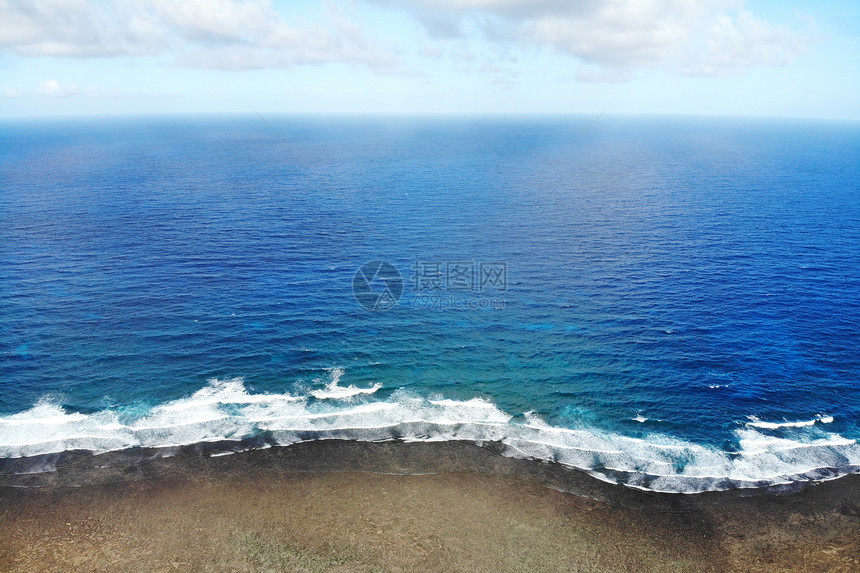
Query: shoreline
[395, 506]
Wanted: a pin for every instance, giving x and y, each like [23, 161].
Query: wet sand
[320, 507]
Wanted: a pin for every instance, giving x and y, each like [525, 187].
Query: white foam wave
[767, 453]
[756, 423]
[333, 391]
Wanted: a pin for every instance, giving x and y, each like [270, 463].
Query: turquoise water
[668, 303]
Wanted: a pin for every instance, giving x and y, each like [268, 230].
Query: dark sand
[319, 507]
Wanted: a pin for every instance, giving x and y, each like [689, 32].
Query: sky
[781, 58]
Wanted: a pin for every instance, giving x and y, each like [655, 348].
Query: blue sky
[726, 57]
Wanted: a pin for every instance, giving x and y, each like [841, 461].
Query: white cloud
[49, 87]
[612, 39]
[8, 92]
[733, 44]
[220, 21]
[615, 38]
[78, 28]
[227, 34]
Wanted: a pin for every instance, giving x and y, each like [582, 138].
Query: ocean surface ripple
[675, 304]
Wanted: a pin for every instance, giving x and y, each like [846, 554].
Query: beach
[348, 506]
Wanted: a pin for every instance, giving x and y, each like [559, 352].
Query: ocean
[669, 303]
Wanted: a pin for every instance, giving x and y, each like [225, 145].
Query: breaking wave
[767, 453]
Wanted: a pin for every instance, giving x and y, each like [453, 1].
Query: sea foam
[225, 410]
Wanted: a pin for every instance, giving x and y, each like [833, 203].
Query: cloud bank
[222, 34]
[612, 40]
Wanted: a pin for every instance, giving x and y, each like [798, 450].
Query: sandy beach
[344, 506]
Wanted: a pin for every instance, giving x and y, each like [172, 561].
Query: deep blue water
[672, 297]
